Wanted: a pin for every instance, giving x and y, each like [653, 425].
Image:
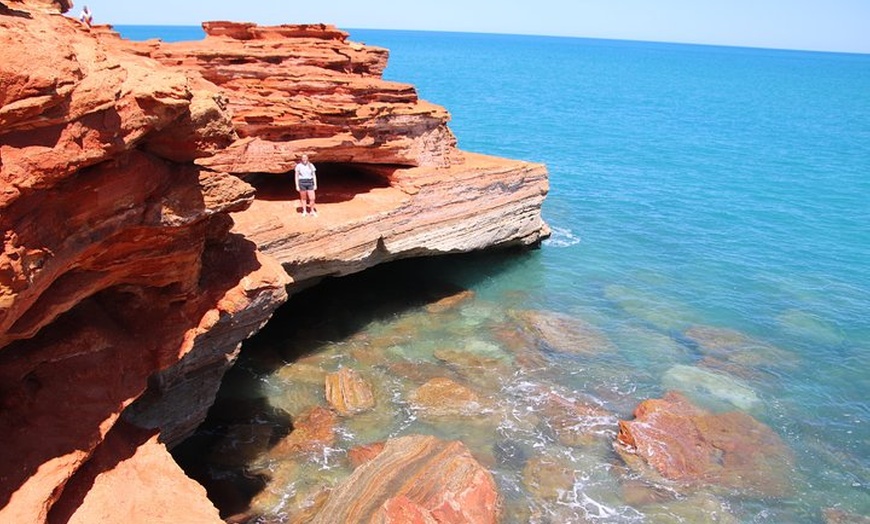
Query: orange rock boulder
[416, 479]
[348, 393]
[685, 443]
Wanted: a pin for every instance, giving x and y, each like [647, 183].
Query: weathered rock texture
[416, 479]
[685, 443]
[348, 393]
[118, 272]
[391, 182]
[149, 226]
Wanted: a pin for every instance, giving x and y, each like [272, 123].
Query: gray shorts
[306, 184]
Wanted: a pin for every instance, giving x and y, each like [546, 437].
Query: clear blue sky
[827, 25]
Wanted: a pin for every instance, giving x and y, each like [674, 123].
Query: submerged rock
[701, 384]
[450, 302]
[348, 393]
[295, 492]
[664, 315]
[574, 421]
[738, 348]
[697, 509]
[685, 443]
[563, 333]
[547, 477]
[481, 363]
[838, 516]
[513, 338]
[420, 476]
[443, 397]
[312, 431]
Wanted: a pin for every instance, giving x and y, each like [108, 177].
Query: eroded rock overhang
[150, 226]
[392, 182]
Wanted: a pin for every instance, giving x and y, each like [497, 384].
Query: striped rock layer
[419, 478]
[150, 225]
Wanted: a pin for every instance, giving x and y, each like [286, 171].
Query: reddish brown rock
[383, 154]
[443, 397]
[362, 454]
[312, 431]
[118, 273]
[450, 302]
[574, 421]
[348, 393]
[562, 333]
[683, 442]
[125, 284]
[296, 89]
[418, 476]
[398, 214]
[171, 496]
[402, 510]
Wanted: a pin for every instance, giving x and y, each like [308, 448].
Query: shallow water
[550, 467]
[698, 194]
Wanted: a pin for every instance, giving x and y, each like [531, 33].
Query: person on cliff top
[86, 17]
[306, 184]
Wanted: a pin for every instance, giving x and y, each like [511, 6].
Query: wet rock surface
[685, 443]
[436, 480]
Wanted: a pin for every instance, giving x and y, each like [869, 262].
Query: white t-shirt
[305, 171]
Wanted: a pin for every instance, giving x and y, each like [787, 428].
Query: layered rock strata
[118, 271]
[150, 226]
[391, 182]
[685, 443]
[416, 479]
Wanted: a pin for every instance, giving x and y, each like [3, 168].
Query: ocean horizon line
[528, 35]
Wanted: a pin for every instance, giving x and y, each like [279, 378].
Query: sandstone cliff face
[117, 263]
[150, 226]
[391, 182]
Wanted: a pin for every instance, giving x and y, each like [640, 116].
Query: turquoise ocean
[692, 187]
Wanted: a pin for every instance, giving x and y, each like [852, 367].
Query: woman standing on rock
[86, 17]
[306, 184]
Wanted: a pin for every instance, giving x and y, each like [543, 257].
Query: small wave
[562, 237]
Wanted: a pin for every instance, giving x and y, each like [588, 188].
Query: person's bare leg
[302, 202]
[311, 199]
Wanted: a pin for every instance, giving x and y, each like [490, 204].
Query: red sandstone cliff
[117, 263]
[144, 204]
[392, 183]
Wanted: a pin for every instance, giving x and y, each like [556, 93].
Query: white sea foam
[562, 237]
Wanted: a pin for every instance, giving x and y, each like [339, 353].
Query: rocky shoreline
[149, 228]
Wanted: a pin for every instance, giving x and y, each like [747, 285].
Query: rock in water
[697, 382]
[348, 392]
[564, 333]
[685, 443]
[433, 480]
[443, 397]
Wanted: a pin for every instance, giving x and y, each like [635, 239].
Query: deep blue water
[690, 186]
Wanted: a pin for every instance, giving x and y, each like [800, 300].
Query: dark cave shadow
[8, 11]
[336, 183]
[334, 310]
[228, 483]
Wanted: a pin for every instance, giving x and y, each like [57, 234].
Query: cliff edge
[392, 182]
[150, 226]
